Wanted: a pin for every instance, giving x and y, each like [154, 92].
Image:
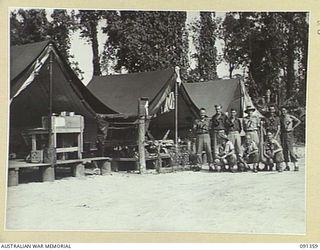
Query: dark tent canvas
[29, 90]
[230, 93]
[121, 93]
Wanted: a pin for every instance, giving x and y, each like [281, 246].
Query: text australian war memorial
[167, 91]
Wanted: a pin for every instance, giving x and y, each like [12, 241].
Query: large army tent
[29, 90]
[230, 93]
[121, 93]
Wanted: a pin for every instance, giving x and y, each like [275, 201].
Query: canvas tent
[230, 93]
[121, 93]
[30, 90]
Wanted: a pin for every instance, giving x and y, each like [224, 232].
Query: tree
[204, 33]
[28, 26]
[268, 44]
[88, 24]
[147, 40]
[59, 30]
[207, 59]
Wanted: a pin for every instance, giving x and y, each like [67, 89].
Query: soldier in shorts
[202, 127]
[272, 151]
[250, 154]
[288, 124]
[226, 155]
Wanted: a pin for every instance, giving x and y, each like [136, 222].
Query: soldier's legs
[199, 143]
[287, 140]
[237, 144]
[236, 141]
[284, 144]
[214, 144]
[232, 138]
[292, 154]
[207, 147]
[218, 164]
[232, 162]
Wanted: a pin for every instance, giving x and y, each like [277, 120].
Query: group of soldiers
[222, 133]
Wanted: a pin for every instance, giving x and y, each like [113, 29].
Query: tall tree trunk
[290, 56]
[95, 50]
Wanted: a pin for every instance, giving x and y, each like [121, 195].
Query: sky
[83, 53]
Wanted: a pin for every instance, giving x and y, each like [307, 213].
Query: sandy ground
[266, 202]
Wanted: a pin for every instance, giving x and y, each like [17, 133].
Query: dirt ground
[266, 202]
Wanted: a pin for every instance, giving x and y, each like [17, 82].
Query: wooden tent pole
[177, 84]
[176, 117]
[48, 172]
[142, 112]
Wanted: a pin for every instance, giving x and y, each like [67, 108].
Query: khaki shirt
[251, 124]
[202, 126]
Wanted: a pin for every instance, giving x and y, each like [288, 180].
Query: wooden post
[105, 167]
[177, 84]
[78, 170]
[142, 112]
[13, 177]
[48, 172]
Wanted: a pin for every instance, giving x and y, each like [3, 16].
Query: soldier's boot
[280, 167]
[271, 166]
[210, 168]
[287, 168]
[218, 168]
[266, 167]
[233, 169]
[255, 168]
[296, 168]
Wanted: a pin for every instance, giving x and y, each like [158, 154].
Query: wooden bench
[47, 171]
[160, 161]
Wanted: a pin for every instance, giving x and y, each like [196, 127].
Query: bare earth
[266, 202]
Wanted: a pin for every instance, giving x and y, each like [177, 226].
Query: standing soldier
[251, 125]
[202, 127]
[288, 124]
[272, 123]
[234, 129]
[218, 128]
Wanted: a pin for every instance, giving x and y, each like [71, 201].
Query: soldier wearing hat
[219, 121]
[226, 155]
[288, 123]
[251, 124]
[202, 128]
